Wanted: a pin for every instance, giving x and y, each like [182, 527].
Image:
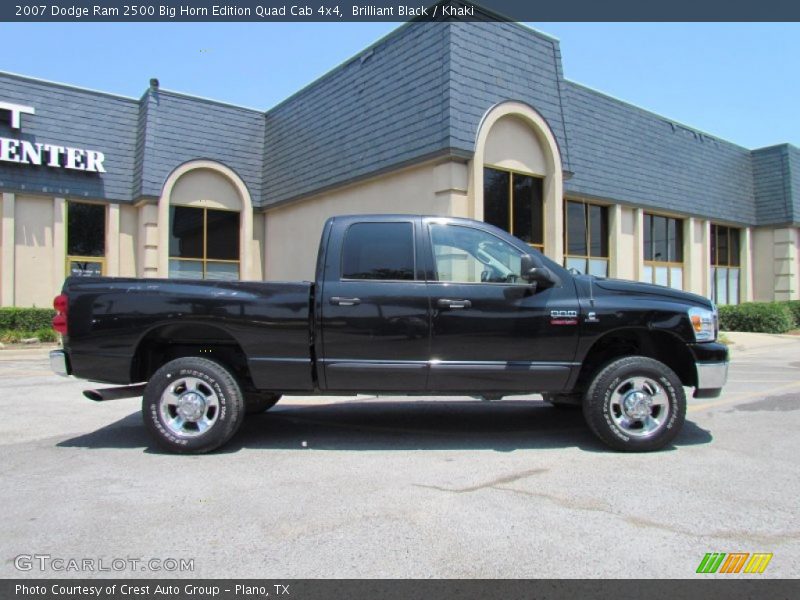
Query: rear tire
[192, 405]
[635, 404]
[256, 403]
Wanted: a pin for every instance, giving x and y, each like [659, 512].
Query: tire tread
[593, 405]
[223, 431]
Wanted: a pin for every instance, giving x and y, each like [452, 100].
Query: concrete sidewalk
[745, 342]
[24, 352]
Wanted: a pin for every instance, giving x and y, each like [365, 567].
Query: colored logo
[734, 562]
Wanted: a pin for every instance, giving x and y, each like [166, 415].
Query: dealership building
[455, 119]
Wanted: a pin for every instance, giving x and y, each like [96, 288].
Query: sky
[736, 81]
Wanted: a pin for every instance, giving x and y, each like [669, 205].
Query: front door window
[467, 255]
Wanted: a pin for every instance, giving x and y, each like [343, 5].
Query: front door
[374, 308]
[491, 330]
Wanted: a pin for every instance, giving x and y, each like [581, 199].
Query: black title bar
[395, 10]
[733, 588]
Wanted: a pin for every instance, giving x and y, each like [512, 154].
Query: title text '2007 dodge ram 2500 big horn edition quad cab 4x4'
[401, 304]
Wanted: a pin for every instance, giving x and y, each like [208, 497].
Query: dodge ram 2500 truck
[400, 305]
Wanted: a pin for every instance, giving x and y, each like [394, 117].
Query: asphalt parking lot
[396, 488]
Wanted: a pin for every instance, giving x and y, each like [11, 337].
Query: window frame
[205, 260]
[664, 263]
[512, 173]
[71, 258]
[588, 257]
[435, 266]
[714, 263]
[413, 252]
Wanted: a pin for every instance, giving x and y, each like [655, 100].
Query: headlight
[704, 324]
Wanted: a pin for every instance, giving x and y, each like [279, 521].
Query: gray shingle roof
[627, 154]
[776, 172]
[73, 117]
[382, 108]
[181, 128]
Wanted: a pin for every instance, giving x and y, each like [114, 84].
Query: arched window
[205, 223]
[517, 176]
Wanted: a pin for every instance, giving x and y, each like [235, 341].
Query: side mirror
[533, 273]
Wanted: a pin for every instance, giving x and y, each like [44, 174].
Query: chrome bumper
[58, 362]
[711, 376]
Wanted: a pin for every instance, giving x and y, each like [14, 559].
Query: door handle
[448, 303]
[339, 301]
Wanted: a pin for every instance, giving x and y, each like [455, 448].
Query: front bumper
[59, 363]
[711, 366]
[711, 377]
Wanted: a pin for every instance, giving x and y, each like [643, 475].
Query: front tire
[635, 404]
[192, 405]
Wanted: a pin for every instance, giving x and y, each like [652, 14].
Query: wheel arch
[168, 341]
[660, 345]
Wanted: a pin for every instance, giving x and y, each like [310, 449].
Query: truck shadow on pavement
[502, 426]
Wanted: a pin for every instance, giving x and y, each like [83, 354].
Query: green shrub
[8, 336]
[46, 334]
[26, 319]
[12, 336]
[759, 317]
[794, 306]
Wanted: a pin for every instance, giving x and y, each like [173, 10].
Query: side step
[115, 393]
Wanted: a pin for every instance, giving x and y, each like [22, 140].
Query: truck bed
[270, 323]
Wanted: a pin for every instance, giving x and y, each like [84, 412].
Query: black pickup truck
[401, 305]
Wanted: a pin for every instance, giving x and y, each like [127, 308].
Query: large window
[725, 257]
[203, 243]
[86, 239]
[663, 251]
[586, 237]
[468, 255]
[378, 251]
[514, 202]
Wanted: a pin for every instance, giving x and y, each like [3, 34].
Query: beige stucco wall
[128, 226]
[512, 144]
[205, 188]
[293, 232]
[785, 247]
[284, 239]
[33, 260]
[775, 269]
[257, 256]
[147, 259]
[623, 260]
[696, 256]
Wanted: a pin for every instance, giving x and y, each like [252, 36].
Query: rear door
[491, 330]
[375, 315]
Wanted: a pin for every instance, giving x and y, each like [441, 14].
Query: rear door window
[378, 251]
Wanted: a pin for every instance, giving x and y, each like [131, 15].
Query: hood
[623, 286]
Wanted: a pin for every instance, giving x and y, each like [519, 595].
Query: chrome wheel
[639, 407]
[188, 407]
